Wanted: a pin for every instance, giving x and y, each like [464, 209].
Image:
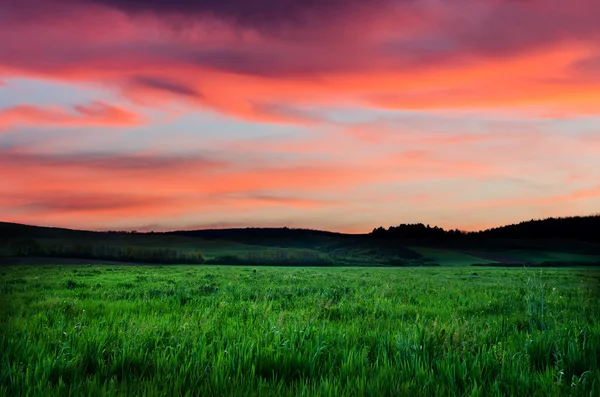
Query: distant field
[446, 257]
[210, 248]
[226, 330]
[450, 257]
[533, 256]
[292, 247]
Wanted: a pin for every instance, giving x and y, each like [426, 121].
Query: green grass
[535, 256]
[447, 257]
[456, 257]
[207, 330]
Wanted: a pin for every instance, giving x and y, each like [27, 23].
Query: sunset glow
[338, 115]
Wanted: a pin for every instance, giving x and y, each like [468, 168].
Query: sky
[342, 115]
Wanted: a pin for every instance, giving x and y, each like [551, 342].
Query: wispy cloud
[391, 54]
[94, 114]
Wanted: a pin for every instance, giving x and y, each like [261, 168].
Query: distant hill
[580, 228]
[283, 237]
[552, 241]
[16, 230]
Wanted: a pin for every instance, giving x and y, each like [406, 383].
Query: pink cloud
[238, 61]
[94, 114]
[377, 185]
[588, 193]
[103, 189]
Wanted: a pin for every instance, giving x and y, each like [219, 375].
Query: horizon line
[134, 230]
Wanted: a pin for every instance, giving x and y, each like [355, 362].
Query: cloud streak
[90, 115]
[263, 15]
[391, 54]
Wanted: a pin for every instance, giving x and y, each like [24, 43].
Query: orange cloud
[94, 114]
[375, 187]
[442, 58]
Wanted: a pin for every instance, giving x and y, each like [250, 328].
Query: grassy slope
[105, 330]
[447, 257]
[342, 249]
[535, 256]
[461, 257]
[211, 248]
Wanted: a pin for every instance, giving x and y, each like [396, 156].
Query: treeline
[417, 231]
[582, 228]
[103, 252]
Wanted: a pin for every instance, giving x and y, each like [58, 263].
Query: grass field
[536, 256]
[210, 248]
[456, 257]
[202, 330]
[447, 257]
[282, 247]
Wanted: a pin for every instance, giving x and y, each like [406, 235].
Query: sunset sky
[328, 114]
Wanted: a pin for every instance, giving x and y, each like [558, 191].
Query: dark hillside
[574, 228]
[535, 241]
[274, 237]
[17, 231]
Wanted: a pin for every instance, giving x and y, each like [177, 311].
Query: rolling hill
[552, 242]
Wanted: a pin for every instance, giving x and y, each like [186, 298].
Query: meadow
[329, 331]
